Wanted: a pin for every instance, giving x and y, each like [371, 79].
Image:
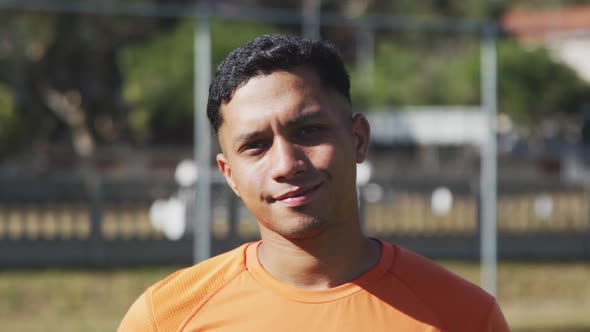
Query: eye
[309, 130]
[254, 147]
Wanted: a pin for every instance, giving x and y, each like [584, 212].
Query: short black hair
[267, 54]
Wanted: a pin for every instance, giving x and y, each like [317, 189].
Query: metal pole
[202, 140]
[365, 54]
[311, 19]
[488, 185]
[242, 12]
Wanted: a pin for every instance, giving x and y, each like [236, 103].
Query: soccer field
[534, 296]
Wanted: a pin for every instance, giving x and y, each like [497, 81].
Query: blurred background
[98, 138]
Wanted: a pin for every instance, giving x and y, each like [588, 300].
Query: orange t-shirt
[233, 292]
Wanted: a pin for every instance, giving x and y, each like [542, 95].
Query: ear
[225, 169]
[361, 130]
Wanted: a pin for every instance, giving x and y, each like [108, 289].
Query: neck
[330, 259]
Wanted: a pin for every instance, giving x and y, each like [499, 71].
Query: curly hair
[267, 54]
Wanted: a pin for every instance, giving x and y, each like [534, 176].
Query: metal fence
[104, 220]
[536, 220]
[67, 221]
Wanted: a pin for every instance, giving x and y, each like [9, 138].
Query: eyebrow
[304, 118]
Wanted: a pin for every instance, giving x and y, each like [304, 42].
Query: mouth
[297, 197]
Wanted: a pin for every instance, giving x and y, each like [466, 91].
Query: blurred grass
[538, 296]
[70, 299]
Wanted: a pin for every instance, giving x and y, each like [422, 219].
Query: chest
[254, 308]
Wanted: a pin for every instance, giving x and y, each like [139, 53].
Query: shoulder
[427, 276]
[198, 281]
[167, 303]
[457, 303]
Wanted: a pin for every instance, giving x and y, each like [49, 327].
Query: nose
[286, 160]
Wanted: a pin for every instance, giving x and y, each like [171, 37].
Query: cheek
[323, 156]
[249, 181]
[333, 157]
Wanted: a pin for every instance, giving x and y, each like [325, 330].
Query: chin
[300, 229]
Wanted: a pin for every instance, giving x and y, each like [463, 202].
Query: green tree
[532, 85]
[11, 129]
[159, 78]
[63, 72]
[415, 75]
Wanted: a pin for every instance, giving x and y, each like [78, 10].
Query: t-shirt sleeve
[139, 317]
[496, 321]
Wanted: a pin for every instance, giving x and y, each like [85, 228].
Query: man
[281, 108]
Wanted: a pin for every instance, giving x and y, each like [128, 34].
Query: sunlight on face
[289, 151]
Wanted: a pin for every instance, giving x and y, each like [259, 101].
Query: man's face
[290, 148]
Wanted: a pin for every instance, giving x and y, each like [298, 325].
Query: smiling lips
[297, 197]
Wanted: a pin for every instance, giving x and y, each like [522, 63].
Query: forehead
[279, 95]
[302, 81]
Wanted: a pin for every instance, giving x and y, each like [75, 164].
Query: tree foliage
[86, 80]
[406, 75]
[64, 73]
[11, 126]
[160, 78]
[532, 85]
